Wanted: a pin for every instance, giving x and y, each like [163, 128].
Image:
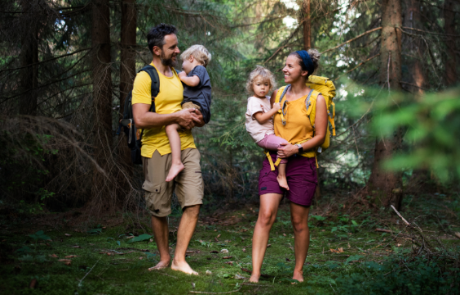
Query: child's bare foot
[183, 267]
[254, 278]
[298, 275]
[160, 265]
[174, 170]
[282, 181]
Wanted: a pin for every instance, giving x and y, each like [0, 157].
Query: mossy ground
[125, 270]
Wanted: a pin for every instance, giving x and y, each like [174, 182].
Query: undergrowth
[346, 256]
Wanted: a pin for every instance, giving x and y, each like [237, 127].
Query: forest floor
[54, 258]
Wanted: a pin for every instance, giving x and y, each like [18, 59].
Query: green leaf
[140, 238]
[95, 231]
[353, 258]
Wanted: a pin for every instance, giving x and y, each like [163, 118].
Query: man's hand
[186, 118]
[286, 150]
[198, 119]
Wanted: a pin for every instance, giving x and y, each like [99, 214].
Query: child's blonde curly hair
[199, 52]
[264, 74]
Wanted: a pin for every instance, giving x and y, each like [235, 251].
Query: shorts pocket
[157, 201]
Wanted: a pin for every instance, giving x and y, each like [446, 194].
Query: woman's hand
[286, 150]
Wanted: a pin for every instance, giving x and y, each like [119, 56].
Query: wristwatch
[299, 146]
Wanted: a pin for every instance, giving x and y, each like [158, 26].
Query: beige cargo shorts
[188, 185]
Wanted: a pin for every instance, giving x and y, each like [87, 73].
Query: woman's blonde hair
[264, 74]
[199, 52]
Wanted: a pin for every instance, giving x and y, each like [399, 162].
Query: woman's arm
[320, 131]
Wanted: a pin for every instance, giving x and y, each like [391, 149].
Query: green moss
[126, 272]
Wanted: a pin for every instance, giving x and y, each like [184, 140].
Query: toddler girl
[259, 116]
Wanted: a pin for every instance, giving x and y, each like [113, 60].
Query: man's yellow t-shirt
[168, 101]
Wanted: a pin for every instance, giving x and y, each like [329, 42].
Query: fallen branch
[384, 230]
[135, 249]
[353, 39]
[81, 281]
[425, 243]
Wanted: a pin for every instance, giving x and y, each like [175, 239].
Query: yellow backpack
[325, 87]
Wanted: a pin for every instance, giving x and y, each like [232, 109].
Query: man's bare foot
[282, 181]
[298, 276]
[254, 278]
[175, 169]
[160, 265]
[183, 267]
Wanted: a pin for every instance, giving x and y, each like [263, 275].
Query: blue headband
[306, 61]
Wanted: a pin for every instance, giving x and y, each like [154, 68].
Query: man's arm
[145, 119]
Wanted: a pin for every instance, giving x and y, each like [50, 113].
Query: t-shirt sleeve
[142, 92]
[201, 73]
[254, 106]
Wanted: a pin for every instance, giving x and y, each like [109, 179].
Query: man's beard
[169, 62]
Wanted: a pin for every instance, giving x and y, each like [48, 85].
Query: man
[156, 151]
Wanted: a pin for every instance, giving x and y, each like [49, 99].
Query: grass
[107, 262]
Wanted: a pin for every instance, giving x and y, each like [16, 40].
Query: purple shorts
[301, 177]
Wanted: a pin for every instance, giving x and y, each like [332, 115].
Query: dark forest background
[66, 67]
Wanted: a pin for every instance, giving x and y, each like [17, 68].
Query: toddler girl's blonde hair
[199, 52]
[260, 73]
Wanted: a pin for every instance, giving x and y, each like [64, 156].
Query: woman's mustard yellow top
[298, 128]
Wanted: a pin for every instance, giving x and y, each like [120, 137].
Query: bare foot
[160, 265]
[254, 278]
[282, 181]
[298, 276]
[183, 267]
[175, 169]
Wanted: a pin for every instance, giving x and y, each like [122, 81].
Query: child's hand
[276, 106]
[182, 75]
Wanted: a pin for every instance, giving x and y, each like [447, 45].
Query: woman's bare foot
[282, 181]
[254, 278]
[298, 275]
[174, 170]
[160, 265]
[183, 267]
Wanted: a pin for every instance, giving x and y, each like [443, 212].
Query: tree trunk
[127, 74]
[414, 49]
[384, 186]
[29, 58]
[306, 25]
[259, 36]
[449, 27]
[128, 53]
[102, 99]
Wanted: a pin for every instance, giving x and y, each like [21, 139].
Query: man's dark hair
[156, 36]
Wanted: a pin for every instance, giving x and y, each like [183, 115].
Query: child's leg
[273, 142]
[174, 142]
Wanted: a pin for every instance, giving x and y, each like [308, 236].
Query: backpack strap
[155, 89]
[307, 101]
[282, 112]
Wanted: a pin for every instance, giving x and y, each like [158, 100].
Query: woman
[301, 168]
